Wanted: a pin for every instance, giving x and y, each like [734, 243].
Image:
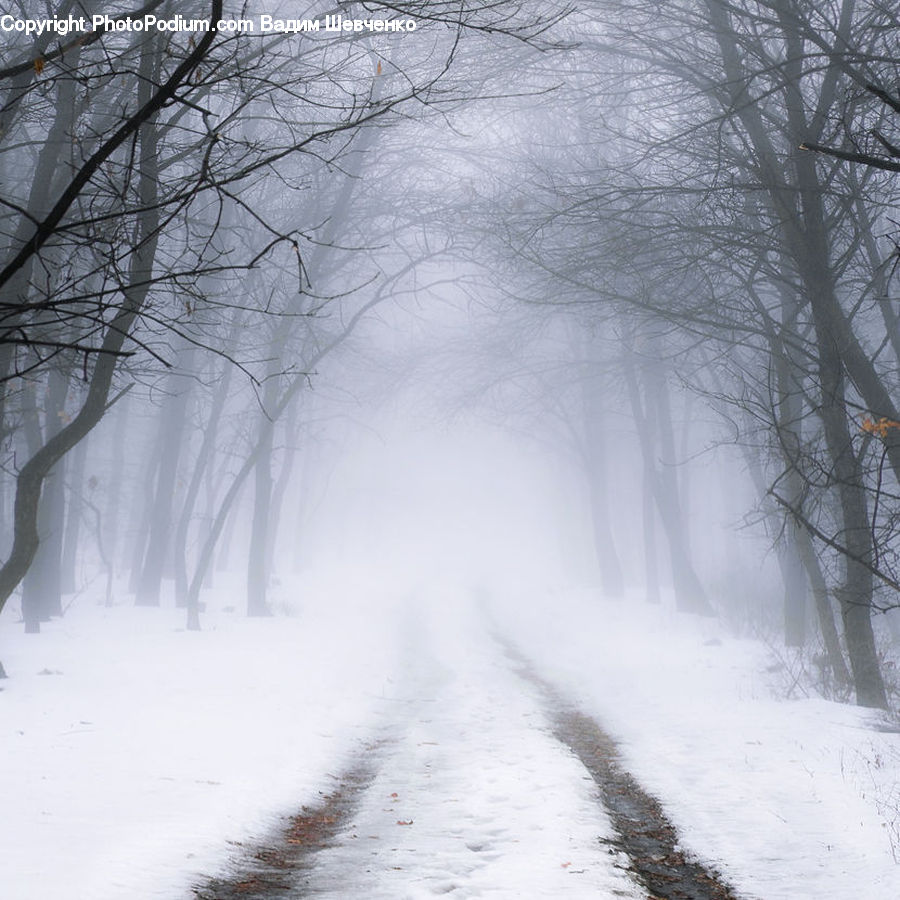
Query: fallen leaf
[401, 822]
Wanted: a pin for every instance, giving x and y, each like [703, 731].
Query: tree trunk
[592, 396]
[74, 515]
[833, 337]
[282, 482]
[172, 431]
[652, 418]
[114, 488]
[142, 532]
[824, 611]
[855, 595]
[794, 578]
[202, 463]
[648, 529]
[257, 570]
[42, 586]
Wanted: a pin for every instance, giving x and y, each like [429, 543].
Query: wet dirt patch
[280, 866]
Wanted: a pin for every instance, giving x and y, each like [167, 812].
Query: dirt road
[484, 783]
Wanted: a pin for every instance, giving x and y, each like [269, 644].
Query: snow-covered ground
[787, 799]
[133, 751]
[144, 750]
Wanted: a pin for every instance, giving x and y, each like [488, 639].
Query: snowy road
[475, 797]
[474, 790]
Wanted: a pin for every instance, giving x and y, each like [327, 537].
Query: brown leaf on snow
[402, 822]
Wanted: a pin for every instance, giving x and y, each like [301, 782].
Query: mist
[449, 448]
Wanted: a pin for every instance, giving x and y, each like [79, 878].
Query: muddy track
[278, 866]
[643, 832]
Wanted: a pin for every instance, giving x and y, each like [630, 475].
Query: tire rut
[279, 865]
[645, 834]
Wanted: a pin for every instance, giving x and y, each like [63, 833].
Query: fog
[513, 379]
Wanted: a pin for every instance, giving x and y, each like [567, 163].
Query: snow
[785, 798]
[146, 750]
[128, 769]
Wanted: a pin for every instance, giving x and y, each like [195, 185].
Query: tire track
[645, 834]
[279, 865]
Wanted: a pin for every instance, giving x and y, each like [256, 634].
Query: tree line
[183, 229]
[694, 200]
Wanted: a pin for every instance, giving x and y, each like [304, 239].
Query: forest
[478, 402]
